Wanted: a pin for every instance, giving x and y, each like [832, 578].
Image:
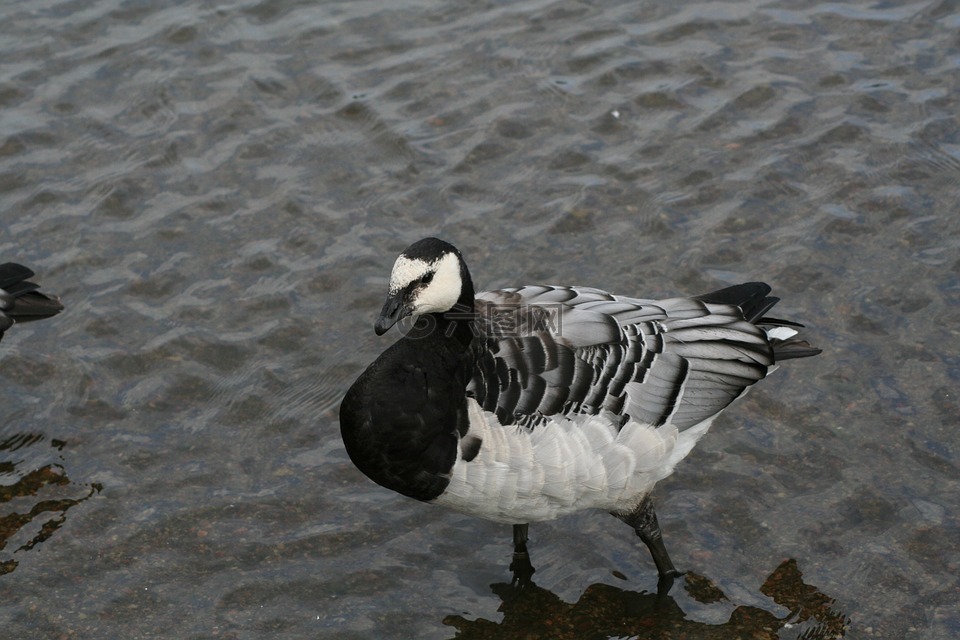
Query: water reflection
[606, 611]
[36, 495]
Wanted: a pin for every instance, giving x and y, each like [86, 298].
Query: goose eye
[427, 279]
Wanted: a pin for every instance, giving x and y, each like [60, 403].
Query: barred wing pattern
[566, 350]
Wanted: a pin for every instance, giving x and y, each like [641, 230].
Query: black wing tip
[21, 300]
[790, 349]
[778, 322]
[35, 306]
[12, 273]
[751, 297]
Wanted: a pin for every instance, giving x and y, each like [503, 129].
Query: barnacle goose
[20, 300]
[526, 404]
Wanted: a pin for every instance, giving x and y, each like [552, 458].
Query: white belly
[527, 475]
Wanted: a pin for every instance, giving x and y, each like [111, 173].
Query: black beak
[393, 311]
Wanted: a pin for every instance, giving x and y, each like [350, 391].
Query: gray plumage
[529, 403]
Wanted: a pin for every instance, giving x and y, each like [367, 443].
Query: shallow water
[218, 191]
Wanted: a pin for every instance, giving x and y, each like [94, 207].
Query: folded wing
[569, 350]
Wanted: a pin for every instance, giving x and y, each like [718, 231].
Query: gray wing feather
[560, 350]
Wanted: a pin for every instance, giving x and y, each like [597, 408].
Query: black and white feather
[530, 403]
[20, 299]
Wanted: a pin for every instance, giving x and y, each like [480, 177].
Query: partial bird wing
[20, 300]
[563, 350]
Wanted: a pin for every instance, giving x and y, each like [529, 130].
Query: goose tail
[754, 302]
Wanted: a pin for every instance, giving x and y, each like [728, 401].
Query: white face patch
[405, 271]
[440, 294]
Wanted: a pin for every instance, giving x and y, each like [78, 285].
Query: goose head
[428, 277]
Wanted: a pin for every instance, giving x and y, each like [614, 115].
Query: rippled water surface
[218, 191]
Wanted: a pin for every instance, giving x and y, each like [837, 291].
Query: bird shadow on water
[37, 493]
[605, 611]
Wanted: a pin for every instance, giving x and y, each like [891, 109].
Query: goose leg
[521, 567]
[643, 519]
